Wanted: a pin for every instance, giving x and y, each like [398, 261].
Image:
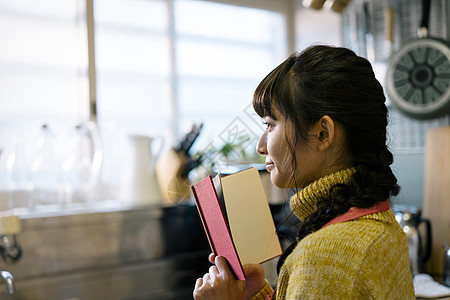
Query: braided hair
[334, 81]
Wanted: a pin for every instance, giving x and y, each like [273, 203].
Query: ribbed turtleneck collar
[304, 202]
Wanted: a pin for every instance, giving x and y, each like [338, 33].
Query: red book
[237, 219]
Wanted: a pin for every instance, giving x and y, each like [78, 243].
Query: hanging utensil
[418, 76]
[369, 36]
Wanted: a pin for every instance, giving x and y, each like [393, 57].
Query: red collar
[356, 212]
[272, 296]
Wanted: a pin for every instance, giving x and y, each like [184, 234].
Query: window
[157, 74]
[222, 53]
[160, 65]
[43, 65]
[43, 79]
[133, 65]
[178, 62]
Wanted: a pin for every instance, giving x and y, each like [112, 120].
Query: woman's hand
[220, 283]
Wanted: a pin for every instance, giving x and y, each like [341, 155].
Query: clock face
[418, 79]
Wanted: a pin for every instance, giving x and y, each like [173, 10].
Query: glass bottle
[4, 207]
[18, 179]
[80, 169]
[44, 173]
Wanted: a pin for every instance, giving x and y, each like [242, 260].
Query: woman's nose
[261, 146]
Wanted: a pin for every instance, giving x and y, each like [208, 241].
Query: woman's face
[274, 144]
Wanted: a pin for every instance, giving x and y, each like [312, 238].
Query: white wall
[317, 27]
[409, 169]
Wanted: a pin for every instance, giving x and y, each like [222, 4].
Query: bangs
[263, 97]
[270, 92]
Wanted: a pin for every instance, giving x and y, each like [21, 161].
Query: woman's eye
[267, 124]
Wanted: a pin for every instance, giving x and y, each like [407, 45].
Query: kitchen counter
[152, 252]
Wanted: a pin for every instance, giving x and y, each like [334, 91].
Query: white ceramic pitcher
[140, 184]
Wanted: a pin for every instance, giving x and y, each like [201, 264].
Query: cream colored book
[237, 218]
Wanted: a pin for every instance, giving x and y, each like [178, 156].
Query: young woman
[325, 136]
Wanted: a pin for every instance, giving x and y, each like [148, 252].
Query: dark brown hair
[334, 81]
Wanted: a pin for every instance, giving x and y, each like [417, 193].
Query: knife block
[174, 187]
[9, 225]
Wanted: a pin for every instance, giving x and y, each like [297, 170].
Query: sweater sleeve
[263, 293]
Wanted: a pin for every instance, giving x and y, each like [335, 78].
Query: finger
[197, 288]
[198, 283]
[213, 272]
[222, 265]
[211, 257]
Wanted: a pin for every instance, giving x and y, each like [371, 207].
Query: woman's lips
[270, 166]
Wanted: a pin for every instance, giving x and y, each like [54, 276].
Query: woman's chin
[278, 181]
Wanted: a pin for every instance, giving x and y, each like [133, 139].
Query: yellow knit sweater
[365, 258]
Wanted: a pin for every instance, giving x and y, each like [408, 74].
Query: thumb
[254, 279]
[253, 270]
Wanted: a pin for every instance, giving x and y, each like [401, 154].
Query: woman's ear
[325, 129]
